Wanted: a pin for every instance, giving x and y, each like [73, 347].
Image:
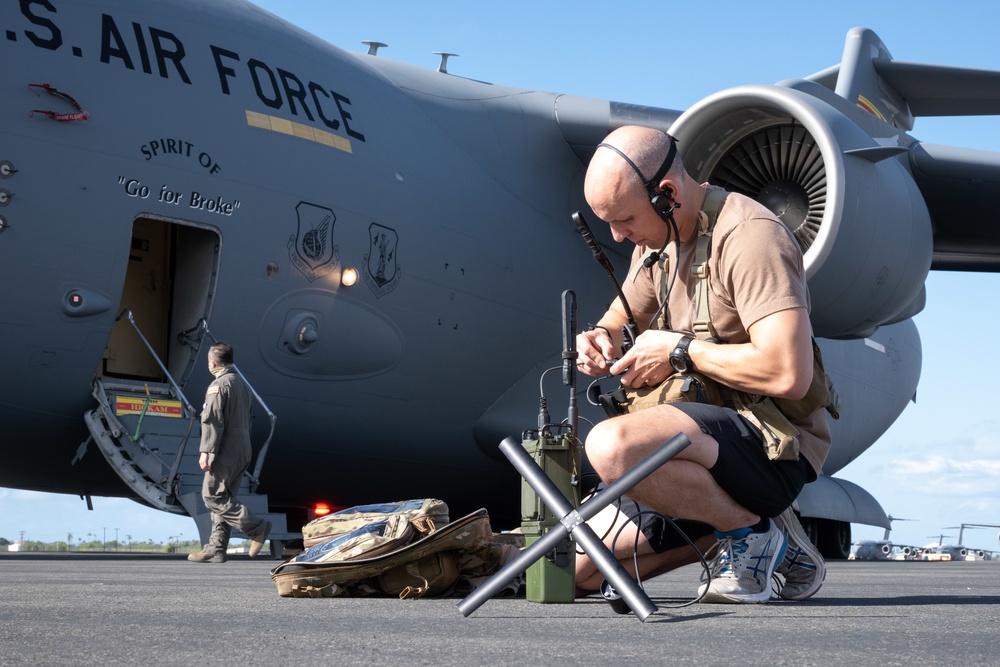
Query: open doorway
[169, 285]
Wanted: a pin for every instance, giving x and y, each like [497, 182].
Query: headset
[662, 201]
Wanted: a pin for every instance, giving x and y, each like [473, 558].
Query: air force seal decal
[381, 268]
[311, 248]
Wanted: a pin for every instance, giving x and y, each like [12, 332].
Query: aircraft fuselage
[234, 169]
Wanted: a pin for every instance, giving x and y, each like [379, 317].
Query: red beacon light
[322, 509]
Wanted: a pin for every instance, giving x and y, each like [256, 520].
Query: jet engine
[852, 204]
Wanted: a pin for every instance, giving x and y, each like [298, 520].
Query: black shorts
[763, 486]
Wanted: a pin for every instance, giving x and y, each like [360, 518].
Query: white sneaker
[803, 568]
[744, 562]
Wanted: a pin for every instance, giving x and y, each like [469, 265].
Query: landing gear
[811, 527]
[832, 538]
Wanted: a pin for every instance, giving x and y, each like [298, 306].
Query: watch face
[679, 359]
[678, 363]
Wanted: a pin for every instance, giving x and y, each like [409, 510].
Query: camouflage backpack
[424, 515]
[394, 554]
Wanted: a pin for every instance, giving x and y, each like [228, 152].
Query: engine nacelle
[861, 221]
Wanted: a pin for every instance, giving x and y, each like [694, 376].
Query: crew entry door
[171, 276]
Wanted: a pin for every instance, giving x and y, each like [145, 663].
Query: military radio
[557, 451]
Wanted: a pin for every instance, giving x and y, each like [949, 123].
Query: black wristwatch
[679, 358]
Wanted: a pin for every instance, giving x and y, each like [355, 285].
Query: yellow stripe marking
[283, 126]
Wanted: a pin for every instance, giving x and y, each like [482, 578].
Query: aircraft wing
[930, 90]
[960, 185]
[939, 90]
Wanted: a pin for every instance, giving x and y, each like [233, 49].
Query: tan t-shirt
[755, 270]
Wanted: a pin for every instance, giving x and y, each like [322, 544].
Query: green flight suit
[225, 432]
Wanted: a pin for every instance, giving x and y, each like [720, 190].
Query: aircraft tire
[834, 539]
[810, 525]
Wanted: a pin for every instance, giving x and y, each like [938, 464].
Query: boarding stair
[150, 434]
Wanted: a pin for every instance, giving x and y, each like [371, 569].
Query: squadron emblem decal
[311, 248]
[382, 269]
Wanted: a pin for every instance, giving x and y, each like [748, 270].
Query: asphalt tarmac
[88, 610]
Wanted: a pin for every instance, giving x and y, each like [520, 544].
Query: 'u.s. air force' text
[156, 51]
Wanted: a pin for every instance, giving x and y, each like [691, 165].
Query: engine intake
[857, 214]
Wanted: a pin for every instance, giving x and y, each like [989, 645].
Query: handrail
[156, 358]
[262, 454]
[180, 394]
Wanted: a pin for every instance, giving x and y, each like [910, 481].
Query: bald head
[611, 177]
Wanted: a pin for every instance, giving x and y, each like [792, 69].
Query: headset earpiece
[663, 203]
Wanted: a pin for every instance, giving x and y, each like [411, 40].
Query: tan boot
[257, 541]
[207, 555]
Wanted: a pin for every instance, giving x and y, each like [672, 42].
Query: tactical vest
[773, 416]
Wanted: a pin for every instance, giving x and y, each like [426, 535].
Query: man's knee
[604, 446]
[615, 445]
[218, 502]
[212, 504]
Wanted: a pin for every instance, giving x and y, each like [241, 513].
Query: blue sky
[940, 463]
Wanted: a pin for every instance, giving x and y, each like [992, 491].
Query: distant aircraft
[385, 246]
[884, 549]
[941, 551]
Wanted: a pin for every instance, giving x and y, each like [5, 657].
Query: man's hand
[205, 461]
[594, 348]
[648, 362]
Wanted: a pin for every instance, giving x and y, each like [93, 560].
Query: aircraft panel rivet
[3, 223]
[7, 169]
[4, 197]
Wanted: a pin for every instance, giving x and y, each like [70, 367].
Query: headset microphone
[668, 217]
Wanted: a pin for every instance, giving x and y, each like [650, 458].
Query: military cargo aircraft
[883, 549]
[880, 550]
[941, 551]
[376, 241]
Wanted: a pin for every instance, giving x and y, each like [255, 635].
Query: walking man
[224, 456]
